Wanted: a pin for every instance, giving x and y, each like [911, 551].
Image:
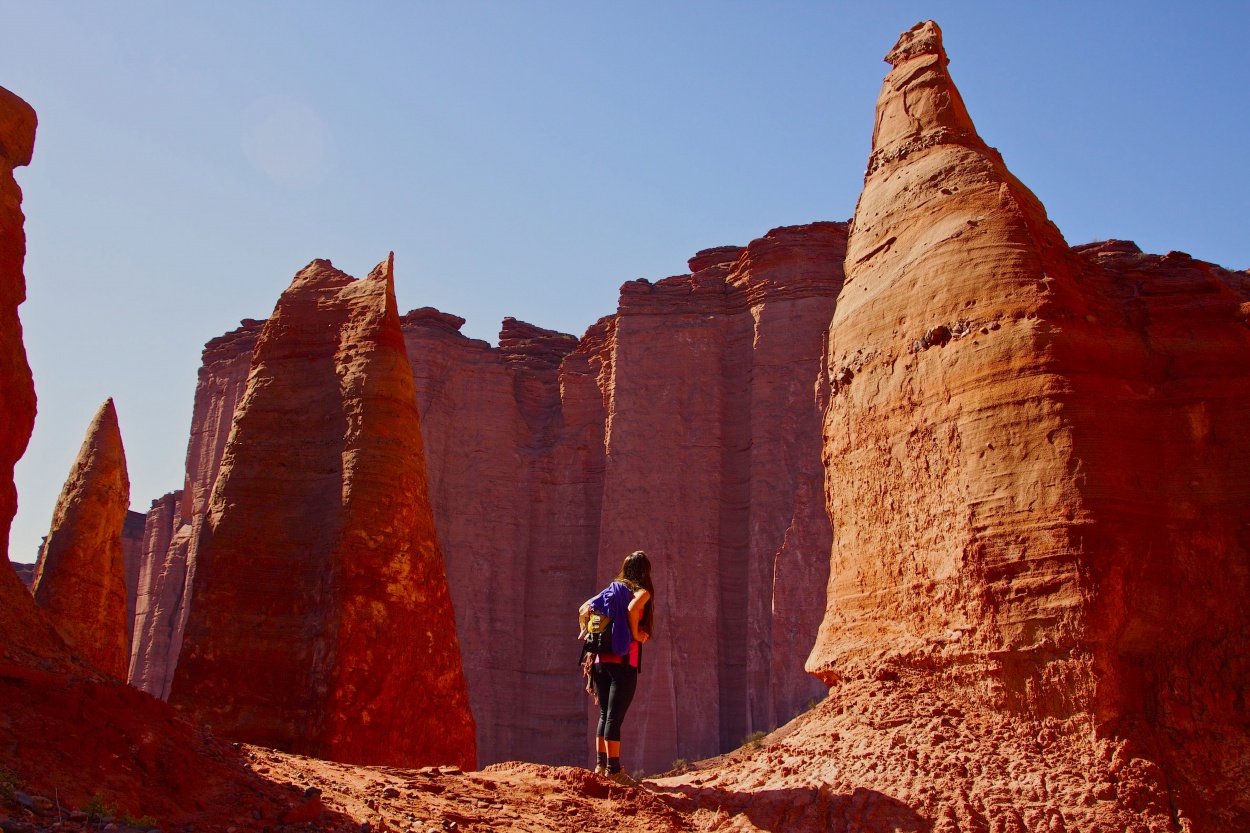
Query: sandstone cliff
[1036, 472]
[24, 630]
[320, 619]
[710, 466]
[80, 579]
[132, 561]
[173, 524]
[512, 489]
[25, 572]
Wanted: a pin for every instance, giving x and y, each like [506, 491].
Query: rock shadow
[801, 809]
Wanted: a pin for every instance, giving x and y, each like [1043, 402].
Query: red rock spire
[320, 619]
[81, 577]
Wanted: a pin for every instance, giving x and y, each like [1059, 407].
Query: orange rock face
[320, 619]
[1036, 463]
[81, 577]
[173, 525]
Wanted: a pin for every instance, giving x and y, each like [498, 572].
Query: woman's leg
[603, 691]
[620, 695]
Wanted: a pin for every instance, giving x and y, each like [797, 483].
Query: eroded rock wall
[173, 523]
[712, 427]
[319, 550]
[80, 580]
[508, 490]
[1035, 468]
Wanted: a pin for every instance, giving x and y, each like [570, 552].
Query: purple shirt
[614, 601]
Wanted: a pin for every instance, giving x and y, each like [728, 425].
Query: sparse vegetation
[10, 784]
[638, 775]
[142, 822]
[753, 740]
[681, 765]
[96, 808]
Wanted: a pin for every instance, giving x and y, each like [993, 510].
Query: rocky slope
[320, 619]
[1006, 518]
[80, 579]
[172, 527]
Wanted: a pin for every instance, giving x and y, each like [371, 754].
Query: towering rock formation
[320, 619]
[1036, 469]
[710, 439]
[81, 577]
[173, 524]
[508, 485]
[24, 632]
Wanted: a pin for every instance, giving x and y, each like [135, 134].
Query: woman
[629, 600]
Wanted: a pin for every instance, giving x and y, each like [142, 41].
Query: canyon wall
[1036, 464]
[320, 619]
[80, 579]
[172, 526]
[711, 467]
[514, 490]
[517, 441]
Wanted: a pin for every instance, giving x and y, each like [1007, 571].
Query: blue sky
[525, 159]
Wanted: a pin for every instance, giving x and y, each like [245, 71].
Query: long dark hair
[636, 575]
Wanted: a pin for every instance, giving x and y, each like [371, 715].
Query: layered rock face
[1036, 469]
[710, 467]
[514, 475]
[80, 579]
[173, 525]
[686, 424]
[320, 619]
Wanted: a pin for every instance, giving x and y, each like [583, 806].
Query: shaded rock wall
[80, 579]
[1036, 464]
[513, 488]
[25, 572]
[132, 560]
[319, 549]
[172, 526]
[25, 633]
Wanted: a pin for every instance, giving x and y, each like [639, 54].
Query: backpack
[596, 634]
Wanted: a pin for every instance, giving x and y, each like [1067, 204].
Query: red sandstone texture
[512, 489]
[1037, 476]
[320, 619]
[173, 525]
[132, 561]
[64, 730]
[710, 466]
[710, 449]
[80, 579]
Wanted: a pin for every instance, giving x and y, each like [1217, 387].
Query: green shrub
[681, 765]
[96, 808]
[752, 740]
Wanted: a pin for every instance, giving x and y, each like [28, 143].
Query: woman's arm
[636, 606]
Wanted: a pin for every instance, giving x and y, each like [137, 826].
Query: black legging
[615, 683]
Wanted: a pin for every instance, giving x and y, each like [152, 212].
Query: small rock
[78, 816]
[312, 792]
[390, 792]
[450, 770]
[937, 336]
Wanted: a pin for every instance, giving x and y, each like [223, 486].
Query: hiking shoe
[601, 770]
[622, 779]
